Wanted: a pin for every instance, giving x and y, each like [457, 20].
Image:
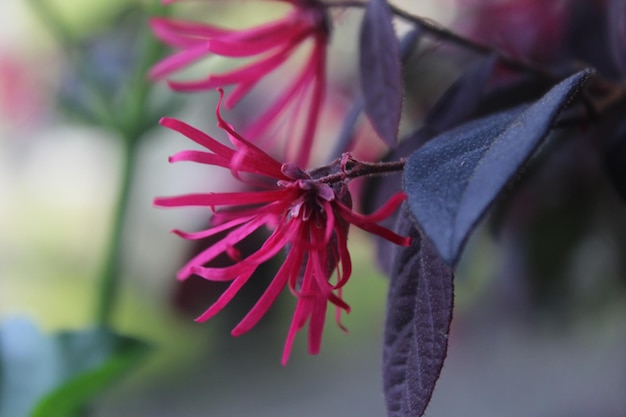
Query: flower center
[310, 202]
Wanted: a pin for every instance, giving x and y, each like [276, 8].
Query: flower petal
[289, 269]
[197, 136]
[178, 60]
[220, 199]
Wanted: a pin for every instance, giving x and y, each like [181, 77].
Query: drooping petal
[289, 269]
[178, 60]
[220, 199]
[318, 61]
[302, 81]
[244, 78]
[224, 299]
[201, 158]
[252, 154]
[329, 227]
[344, 260]
[213, 230]
[270, 248]
[368, 223]
[316, 324]
[320, 274]
[216, 249]
[271, 45]
[197, 136]
[188, 28]
[300, 315]
[184, 34]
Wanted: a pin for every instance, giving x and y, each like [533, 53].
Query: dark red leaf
[462, 99]
[617, 32]
[453, 179]
[457, 105]
[381, 71]
[419, 311]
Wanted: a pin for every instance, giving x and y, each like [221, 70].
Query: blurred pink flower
[271, 44]
[21, 92]
[309, 214]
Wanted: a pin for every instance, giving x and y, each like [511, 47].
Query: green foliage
[58, 374]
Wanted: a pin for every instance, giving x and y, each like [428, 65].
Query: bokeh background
[58, 179]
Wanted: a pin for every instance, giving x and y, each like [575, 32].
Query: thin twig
[444, 34]
[353, 168]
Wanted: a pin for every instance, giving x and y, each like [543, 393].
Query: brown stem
[605, 97]
[352, 168]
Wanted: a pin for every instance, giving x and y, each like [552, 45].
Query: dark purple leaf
[453, 179]
[407, 44]
[419, 311]
[380, 189]
[617, 32]
[462, 99]
[523, 89]
[381, 72]
[457, 105]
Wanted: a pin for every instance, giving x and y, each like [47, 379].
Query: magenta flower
[271, 44]
[309, 214]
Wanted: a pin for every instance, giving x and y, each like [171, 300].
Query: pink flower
[271, 44]
[309, 214]
[21, 93]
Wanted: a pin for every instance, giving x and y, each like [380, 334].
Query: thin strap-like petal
[270, 248]
[214, 230]
[366, 223]
[201, 158]
[344, 261]
[188, 28]
[224, 299]
[197, 136]
[290, 267]
[269, 165]
[216, 249]
[177, 61]
[318, 62]
[387, 209]
[220, 199]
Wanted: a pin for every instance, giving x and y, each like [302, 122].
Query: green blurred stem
[100, 105]
[109, 280]
[131, 124]
[139, 86]
[130, 121]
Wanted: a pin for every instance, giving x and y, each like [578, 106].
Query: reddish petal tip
[184, 273]
[157, 202]
[236, 332]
